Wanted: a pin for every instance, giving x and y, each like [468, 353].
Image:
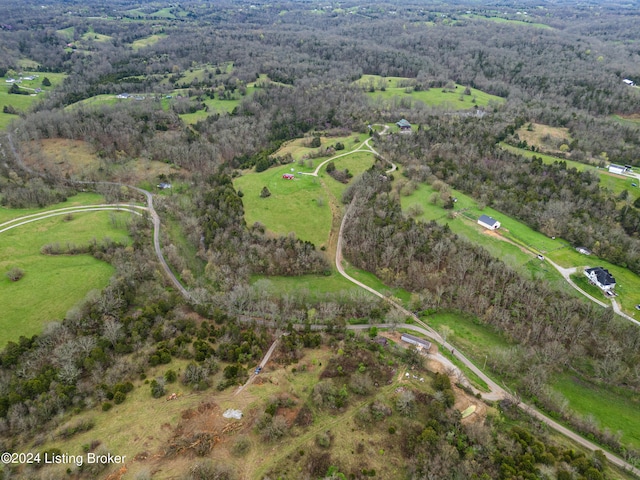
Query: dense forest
[291, 69]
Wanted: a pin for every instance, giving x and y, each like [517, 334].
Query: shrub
[157, 389]
[15, 274]
[265, 192]
[119, 397]
[170, 376]
[106, 406]
[315, 142]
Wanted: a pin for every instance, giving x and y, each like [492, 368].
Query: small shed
[418, 342]
[619, 169]
[488, 222]
[404, 125]
[288, 176]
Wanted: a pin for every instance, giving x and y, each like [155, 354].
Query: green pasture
[374, 282]
[67, 33]
[80, 199]
[465, 225]
[52, 284]
[507, 21]
[147, 41]
[23, 102]
[300, 150]
[163, 13]
[299, 205]
[315, 285]
[613, 408]
[435, 97]
[356, 163]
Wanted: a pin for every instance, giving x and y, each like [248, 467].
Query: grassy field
[508, 21]
[147, 41]
[77, 159]
[315, 285]
[357, 163]
[511, 252]
[435, 97]
[299, 205]
[52, 284]
[374, 282]
[79, 199]
[23, 102]
[613, 409]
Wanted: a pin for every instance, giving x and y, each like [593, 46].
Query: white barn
[619, 169]
[487, 222]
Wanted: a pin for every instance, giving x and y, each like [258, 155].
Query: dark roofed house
[488, 222]
[601, 277]
[404, 125]
[418, 342]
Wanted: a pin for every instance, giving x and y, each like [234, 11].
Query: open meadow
[60, 280]
[389, 89]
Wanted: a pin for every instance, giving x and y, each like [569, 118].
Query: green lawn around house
[22, 103]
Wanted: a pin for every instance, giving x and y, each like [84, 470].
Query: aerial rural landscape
[320, 240]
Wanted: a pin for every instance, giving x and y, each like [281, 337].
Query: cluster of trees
[551, 198]
[554, 331]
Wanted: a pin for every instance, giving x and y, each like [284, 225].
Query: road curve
[496, 391]
[155, 218]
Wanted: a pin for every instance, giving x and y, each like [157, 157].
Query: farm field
[83, 198]
[434, 97]
[299, 205]
[465, 225]
[60, 280]
[614, 409]
[22, 103]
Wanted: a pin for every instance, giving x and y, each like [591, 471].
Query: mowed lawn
[52, 284]
[300, 205]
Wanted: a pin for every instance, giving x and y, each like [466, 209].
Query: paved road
[497, 392]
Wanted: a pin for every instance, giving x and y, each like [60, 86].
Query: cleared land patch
[147, 41]
[452, 99]
[78, 159]
[299, 205]
[52, 284]
[545, 138]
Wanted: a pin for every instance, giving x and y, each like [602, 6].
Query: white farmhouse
[487, 222]
[601, 277]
